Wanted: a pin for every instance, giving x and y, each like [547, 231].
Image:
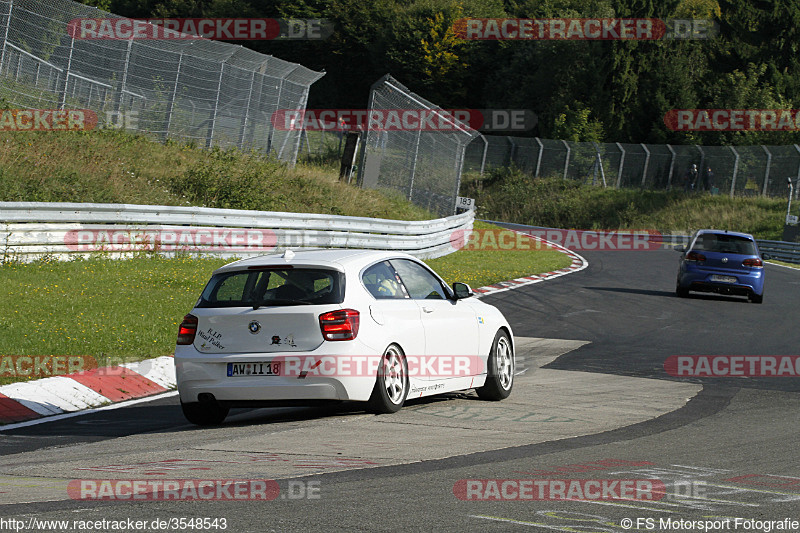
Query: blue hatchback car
[724, 262]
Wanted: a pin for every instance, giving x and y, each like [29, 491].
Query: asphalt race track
[592, 402]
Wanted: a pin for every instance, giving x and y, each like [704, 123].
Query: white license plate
[236, 370]
[723, 279]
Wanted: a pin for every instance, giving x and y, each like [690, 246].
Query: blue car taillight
[753, 262]
[695, 256]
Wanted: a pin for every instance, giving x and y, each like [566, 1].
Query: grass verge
[512, 196]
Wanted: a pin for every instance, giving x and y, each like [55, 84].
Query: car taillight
[187, 330]
[694, 256]
[339, 325]
[753, 262]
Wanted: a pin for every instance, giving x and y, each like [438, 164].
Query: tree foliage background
[582, 90]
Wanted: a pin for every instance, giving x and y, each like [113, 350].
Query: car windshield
[724, 243]
[273, 287]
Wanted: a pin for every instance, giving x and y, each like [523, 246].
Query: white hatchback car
[322, 325]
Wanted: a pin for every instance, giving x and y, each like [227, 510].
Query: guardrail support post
[735, 170]
[766, 172]
[566, 159]
[621, 164]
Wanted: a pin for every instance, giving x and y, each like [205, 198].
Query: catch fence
[194, 90]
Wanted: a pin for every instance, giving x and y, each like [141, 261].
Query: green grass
[484, 267]
[512, 196]
[117, 311]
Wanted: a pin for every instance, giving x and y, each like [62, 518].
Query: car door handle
[428, 309]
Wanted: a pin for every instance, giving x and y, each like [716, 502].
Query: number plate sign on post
[464, 204]
[791, 220]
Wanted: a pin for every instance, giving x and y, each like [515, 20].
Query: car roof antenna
[288, 254]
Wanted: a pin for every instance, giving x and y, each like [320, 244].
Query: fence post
[646, 163]
[213, 125]
[414, 164]
[121, 95]
[66, 74]
[599, 160]
[486, 149]
[171, 105]
[5, 35]
[702, 160]
[621, 164]
[566, 160]
[247, 110]
[766, 172]
[539, 159]
[671, 166]
[797, 183]
[735, 170]
[513, 153]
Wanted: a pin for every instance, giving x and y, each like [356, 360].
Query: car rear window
[724, 243]
[273, 287]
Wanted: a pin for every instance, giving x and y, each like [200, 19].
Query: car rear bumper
[699, 279]
[199, 375]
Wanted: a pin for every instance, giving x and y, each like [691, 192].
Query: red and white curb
[20, 402]
[85, 390]
[578, 263]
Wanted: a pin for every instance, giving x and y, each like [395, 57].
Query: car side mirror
[680, 248]
[462, 290]
[766, 257]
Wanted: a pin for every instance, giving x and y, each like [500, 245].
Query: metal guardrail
[30, 230]
[778, 250]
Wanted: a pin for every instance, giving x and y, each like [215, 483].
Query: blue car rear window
[724, 243]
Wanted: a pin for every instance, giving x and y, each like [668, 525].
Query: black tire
[681, 291]
[756, 298]
[391, 383]
[500, 369]
[204, 414]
